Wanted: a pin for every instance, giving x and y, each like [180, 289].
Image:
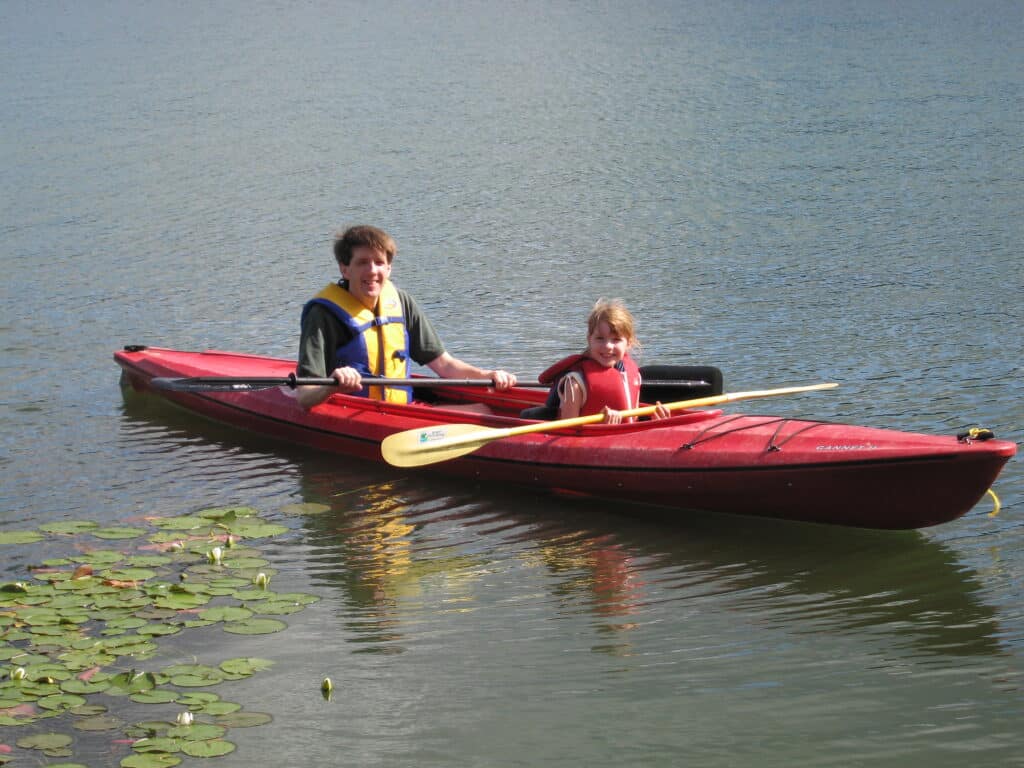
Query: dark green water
[792, 191]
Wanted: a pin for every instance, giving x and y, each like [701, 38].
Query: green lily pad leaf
[44, 741]
[300, 598]
[193, 623]
[156, 696]
[197, 699]
[276, 608]
[157, 744]
[84, 686]
[245, 665]
[118, 532]
[60, 701]
[256, 530]
[253, 594]
[99, 557]
[20, 537]
[156, 614]
[66, 765]
[195, 681]
[229, 582]
[218, 708]
[255, 627]
[153, 760]
[180, 601]
[208, 748]
[244, 719]
[133, 682]
[149, 561]
[129, 574]
[193, 523]
[242, 563]
[69, 526]
[197, 731]
[225, 613]
[219, 513]
[307, 508]
[88, 710]
[189, 669]
[98, 723]
[159, 630]
[121, 622]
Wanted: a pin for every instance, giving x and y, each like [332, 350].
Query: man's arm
[448, 367]
[317, 343]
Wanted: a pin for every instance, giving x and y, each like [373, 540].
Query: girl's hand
[661, 412]
[612, 417]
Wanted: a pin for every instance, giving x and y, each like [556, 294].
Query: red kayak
[696, 460]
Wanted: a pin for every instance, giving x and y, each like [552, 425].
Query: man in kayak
[364, 325]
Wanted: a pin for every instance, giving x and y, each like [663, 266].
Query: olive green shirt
[323, 333]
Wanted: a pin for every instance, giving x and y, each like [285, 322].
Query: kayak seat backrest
[708, 373]
[540, 412]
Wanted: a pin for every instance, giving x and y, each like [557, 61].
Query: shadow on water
[377, 535]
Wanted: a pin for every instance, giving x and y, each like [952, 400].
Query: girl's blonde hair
[619, 320]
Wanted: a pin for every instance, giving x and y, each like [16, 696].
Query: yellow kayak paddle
[441, 442]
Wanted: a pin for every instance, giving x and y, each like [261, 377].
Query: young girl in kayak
[604, 378]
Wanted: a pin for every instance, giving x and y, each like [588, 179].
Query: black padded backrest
[708, 373]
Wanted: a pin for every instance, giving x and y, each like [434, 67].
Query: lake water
[792, 191]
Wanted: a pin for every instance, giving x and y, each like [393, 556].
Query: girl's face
[605, 346]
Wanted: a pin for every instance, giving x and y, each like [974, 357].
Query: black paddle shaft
[250, 384]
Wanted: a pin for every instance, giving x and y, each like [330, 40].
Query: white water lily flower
[18, 673]
[261, 580]
[185, 718]
[215, 555]
[327, 686]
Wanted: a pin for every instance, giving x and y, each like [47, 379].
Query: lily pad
[44, 741]
[20, 537]
[128, 574]
[207, 748]
[99, 557]
[132, 682]
[197, 731]
[255, 627]
[97, 723]
[220, 513]
[153, 760]
[84, 686]
[192, 523]
[244, 719]
[118, 532]
[157, 744]
[245, 665]
[69, 526]
[156, 696]
[218, 708]
[225, 613]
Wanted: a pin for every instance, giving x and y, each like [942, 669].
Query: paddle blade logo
[432, 435]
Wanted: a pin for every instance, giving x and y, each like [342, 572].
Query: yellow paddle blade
[429, 445]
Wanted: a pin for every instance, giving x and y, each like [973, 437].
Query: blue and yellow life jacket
[380, 341]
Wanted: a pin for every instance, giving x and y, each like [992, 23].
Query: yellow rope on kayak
[996, 506]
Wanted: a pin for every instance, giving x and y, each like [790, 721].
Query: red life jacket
[619, 390]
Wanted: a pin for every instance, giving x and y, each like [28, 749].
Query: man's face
[366, 274]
